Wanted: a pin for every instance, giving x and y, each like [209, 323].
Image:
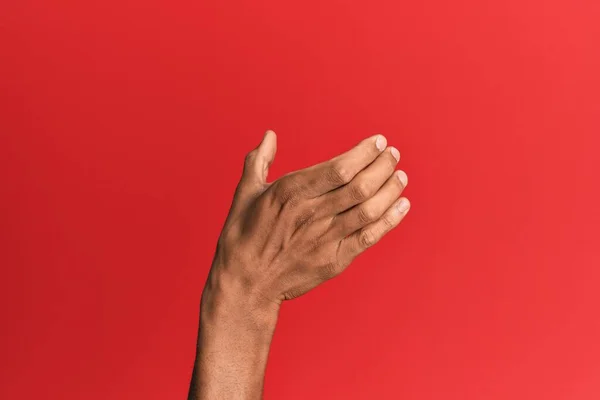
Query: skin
[279, 241]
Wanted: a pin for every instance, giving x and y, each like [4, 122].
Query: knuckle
[360, 191]
[286, 191]
[338, 174]
[388, 222]
[366, 215]
[251, 156]
[367, 238]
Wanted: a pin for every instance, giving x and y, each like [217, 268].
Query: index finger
[340, 170]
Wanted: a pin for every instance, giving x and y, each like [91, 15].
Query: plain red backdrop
[123, 126]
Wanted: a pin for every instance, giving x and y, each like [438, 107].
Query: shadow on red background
[123, 126]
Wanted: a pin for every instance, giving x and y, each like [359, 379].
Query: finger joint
[367, 238]
[338, 175]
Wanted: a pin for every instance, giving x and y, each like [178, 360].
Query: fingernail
[402, 178]
[403, 206]
[395, 153]
[380, 143]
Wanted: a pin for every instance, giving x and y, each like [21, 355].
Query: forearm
[235, 334]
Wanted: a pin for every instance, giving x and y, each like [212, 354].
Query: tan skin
[280, 240]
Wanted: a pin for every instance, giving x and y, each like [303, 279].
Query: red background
[123, 129]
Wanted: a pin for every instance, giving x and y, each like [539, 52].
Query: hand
[282, 239]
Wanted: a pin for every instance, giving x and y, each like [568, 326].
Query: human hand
[282, 239]
[279, 241]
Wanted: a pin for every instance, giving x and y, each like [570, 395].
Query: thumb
[254, 177]
[258, 161]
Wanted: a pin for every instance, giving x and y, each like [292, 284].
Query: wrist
[227, 297]
[234, 339]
